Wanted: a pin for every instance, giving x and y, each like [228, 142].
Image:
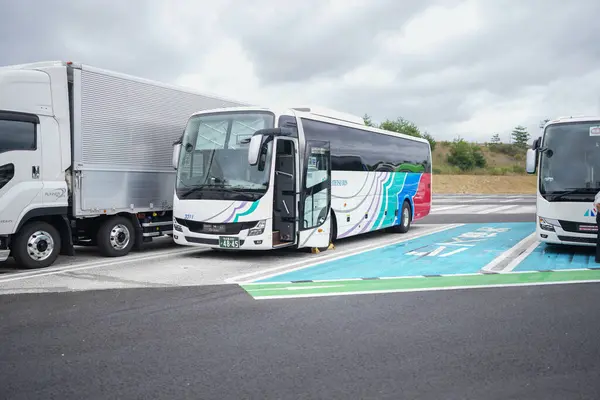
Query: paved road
[167, 325]
[217, 343]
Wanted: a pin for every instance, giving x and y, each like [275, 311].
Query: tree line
[462, 154]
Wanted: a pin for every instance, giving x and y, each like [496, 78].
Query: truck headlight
[258, 229]
[548, 224]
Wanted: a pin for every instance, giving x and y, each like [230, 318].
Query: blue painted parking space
[546, 257]
[460, 250]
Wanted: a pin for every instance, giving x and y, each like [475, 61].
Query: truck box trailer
[86, 159]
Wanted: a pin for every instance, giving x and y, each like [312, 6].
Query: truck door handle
[35, 172]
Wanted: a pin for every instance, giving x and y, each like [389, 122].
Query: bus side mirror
[176, 151]
[254, 149]
[530, 166]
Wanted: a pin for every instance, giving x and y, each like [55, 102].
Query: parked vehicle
[299, 177]
[85, 159]
[566, 158]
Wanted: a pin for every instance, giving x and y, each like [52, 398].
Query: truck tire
[405, 219]
[37, 245]
[115, 237]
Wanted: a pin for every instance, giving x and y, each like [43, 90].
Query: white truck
[86, 159]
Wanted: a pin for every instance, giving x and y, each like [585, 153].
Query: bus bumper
[184, 237]
[560, 236]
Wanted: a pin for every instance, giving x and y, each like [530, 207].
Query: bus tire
[116, 237]
[37, 245]
[405, 218]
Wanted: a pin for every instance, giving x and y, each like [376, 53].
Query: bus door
[315, 196]
[285, 200]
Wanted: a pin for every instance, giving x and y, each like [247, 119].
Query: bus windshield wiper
[219, 188]
[571, 191]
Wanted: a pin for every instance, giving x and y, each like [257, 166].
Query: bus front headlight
[548, 224]
[258, 229]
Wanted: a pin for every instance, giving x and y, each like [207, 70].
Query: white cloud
[226, 70]
[434, 27]
[472, 67]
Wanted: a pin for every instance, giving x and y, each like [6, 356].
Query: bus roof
[362, 126]
[318, 114]
[575, 118]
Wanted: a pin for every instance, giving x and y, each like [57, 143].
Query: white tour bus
[259, 178]
[567, 159]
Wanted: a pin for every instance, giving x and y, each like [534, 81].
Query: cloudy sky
[469, 68]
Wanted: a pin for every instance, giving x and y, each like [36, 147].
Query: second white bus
[567, 161]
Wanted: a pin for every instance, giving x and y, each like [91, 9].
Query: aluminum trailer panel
[123, 131]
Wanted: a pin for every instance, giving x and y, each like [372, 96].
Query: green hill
[489, 158]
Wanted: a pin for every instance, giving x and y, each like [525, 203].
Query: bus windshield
[570, 162]
[213, 163]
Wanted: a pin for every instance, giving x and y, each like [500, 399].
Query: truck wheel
[115, 237]
[405, 219]
[37, 245]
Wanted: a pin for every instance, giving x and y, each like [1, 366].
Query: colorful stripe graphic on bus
[371, 204]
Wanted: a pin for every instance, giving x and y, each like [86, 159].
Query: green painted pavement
[330, 288]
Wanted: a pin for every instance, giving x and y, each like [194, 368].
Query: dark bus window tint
[354, 149]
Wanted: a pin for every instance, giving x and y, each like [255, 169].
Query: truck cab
[34, 157]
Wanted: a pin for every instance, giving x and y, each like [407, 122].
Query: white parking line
[514, 263]
[428, 289]
[510, 252]
[97, 264]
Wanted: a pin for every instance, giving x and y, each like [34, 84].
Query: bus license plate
[229, 242]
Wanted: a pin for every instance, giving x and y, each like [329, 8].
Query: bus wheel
[405, 219]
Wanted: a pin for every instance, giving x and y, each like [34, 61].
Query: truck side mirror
[176, 151]
[254, 149]
[530, 166]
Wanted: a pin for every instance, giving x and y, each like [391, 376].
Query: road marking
[464, 249]
[424, 284]
[96, 264]
[301, 287]
[530, 209]
[502, 257]
[484, 209]
[513, 264]
[513, 199]
[467, 209]
[504, 285]
[496, 209]
[436, 209]
[308, 262]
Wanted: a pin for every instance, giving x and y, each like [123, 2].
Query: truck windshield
[213, 163]
[570, 162]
